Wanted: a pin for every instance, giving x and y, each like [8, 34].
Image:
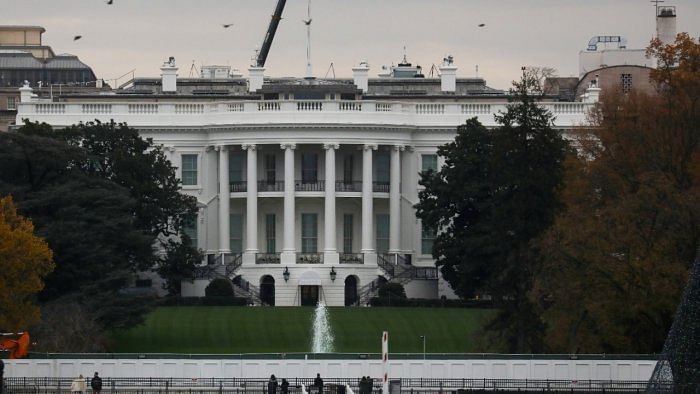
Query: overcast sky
[141, 34]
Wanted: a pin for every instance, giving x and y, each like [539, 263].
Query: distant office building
[23, 57]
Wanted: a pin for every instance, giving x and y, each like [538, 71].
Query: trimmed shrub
[219, 287]
[204, 301]
[392, 290]
[429, 303]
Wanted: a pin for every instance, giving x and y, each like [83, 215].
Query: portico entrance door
[309, 295]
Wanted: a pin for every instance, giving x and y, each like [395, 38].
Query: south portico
[306, 180]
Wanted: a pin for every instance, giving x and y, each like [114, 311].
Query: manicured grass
[200, 329]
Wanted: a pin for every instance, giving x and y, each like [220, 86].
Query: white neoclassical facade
[305, 187]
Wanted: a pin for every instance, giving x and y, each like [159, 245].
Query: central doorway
[309, 295]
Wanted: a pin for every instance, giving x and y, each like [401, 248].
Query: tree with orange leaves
[617, 258]
[25, 260]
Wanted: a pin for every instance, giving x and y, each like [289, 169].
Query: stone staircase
[225, 265]
[397, 270]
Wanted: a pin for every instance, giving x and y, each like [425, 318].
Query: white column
[367, 189]
[395, 200]
[329, 218]
[251, 200]
[288, 224]
[224, 201]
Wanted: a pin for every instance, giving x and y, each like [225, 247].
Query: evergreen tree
[496, 193]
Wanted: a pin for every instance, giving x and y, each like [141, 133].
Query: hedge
[429, 303]
[204, 301]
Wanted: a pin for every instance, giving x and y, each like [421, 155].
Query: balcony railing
[309, 258]
[348, 186]
[352, 258]
[380, 187]
[267, 258]
[310, 186]
[270, 186]
[238, 187]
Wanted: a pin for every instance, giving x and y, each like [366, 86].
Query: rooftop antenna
[656, 5]
[193, 69]
[477, 71]
[434, 71]
[307, 22]
[330, 68]
[404, 55]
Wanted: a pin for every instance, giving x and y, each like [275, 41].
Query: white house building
[305, 187]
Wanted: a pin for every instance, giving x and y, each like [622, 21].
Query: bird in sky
[482, 24]
[110, 2]
[76, 38]
[227, 25]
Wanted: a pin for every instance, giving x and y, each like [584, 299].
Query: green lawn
[200, 329]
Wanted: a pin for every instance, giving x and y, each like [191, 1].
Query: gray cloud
[140, 34]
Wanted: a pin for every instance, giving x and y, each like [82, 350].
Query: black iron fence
[331, 385]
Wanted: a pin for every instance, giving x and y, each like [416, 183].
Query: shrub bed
[204, 301]
[429, 303]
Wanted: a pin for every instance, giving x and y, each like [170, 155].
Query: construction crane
[271, 30]
[16, 343]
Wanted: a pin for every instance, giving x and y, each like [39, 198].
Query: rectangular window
[189, 170]
[347, 233]
[270, 243]
[309, 168]
[236, 232]
[309, 233]
[427, 238]
[189, 228]
[235, 168]
[429, 163]
[347, 168]
[270, 169]
[11, 103]
[382, 233]
[383, 169]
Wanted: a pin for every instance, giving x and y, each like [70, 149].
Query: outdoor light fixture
[286, 274]
[333, 274]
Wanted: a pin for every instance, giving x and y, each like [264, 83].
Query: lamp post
[422, 337]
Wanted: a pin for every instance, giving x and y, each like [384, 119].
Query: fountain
[322, 341]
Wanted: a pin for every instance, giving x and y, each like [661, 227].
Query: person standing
[370, 385]
[284, 386]
[96, 384]
[318, 383]
[78, 386]
[272, 385]
[363, 385]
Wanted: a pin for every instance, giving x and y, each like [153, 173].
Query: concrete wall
[563, 369]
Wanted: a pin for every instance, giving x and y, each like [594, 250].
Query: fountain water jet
[322, 336]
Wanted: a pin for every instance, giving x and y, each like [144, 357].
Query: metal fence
[331, 386]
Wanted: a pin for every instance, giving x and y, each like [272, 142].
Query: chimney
[256, 78]
[448, 75]
[25, 93]
[666, 24]
[360, 76]
[592, 94]
[169, 76]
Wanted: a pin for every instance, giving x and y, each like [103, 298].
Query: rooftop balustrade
[146, 113]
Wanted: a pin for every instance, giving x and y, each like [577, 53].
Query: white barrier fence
[477, 368]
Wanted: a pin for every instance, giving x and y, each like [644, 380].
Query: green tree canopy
[495, 194]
